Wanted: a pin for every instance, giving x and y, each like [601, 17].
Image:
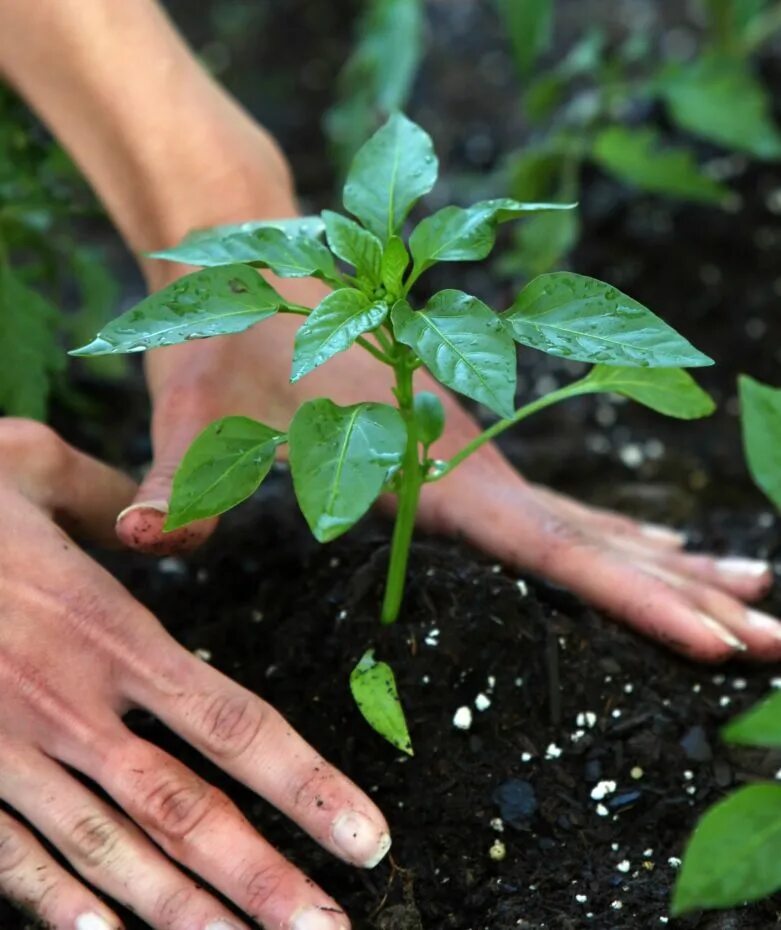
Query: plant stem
[409, 494]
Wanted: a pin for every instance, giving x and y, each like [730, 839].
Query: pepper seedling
[342, 458]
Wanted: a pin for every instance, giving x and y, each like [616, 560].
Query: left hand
[696, 604]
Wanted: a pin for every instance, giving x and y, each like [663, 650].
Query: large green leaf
[333, 326]
[464, 345]
[373, 686]
[734, 854]
[530, 28]
[719, 99]
[393, 170]
[31, 356]
[586, 320]
[671, 391]
[758, 726]
[638, 157]
[457, 234]
[354, 245]
[290, 252]
[340, 458]
[760, 410]
[212, 302]
[224, 465]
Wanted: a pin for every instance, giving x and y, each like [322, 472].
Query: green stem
[409, 494]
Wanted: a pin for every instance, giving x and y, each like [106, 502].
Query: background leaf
[464, 345]
[671, 391]
[373, 685]
[339, 459]
[529, 25]
[734, 854]
[333, 326]
[224, 466]
[393, 170]
[760, 412]
[354, 245]
[586, 320]
[758, 726]
[212, 302]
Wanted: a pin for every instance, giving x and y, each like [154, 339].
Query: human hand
[76, 652]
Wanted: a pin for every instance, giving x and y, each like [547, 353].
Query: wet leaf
[760, 411]
[212, 302]
[758, 726]
[354, 245]
[671, 391]
[586, 320]
[373, 686]
[464, 345]
[340, 458]
[223, 467]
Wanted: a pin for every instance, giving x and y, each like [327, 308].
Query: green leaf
[291, 252]
[586, 320]
[429, 417]
[373, 686]
[734, 854]
[224, 466]
[354, 245]
[464, 345]
[31, 356]
[758, 726]
[719, 99]
[333, 326]
[212, 302]
[393, 170]
[541, 244]
[760, 410]
[535, 173]
[340, 458]
[671, 391]
[529, 25]
[455, 234]
[394, 263]
[637, 156]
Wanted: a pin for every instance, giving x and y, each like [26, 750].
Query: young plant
[597, 107]
[342, 458]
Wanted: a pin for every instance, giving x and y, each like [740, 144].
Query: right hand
[76, 652]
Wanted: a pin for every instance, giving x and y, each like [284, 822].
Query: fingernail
[663, 533]
[764, 622]
[735, 565]
[159, 506]
[725, 635]
[93, 921]
[221, 925]
[359, 839]
[317, 918]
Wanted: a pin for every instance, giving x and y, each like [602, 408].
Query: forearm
[162, 144]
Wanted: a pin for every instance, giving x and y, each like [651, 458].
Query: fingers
[201, 828]
[256, 745]
[31, 878]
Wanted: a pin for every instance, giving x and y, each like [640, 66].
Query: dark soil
[289, 619]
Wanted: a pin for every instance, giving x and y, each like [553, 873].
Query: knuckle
[93, 840]
[13, 848]
[176, 806]
[228, 724]
[38, 446]
[260, 883]
[172, 905]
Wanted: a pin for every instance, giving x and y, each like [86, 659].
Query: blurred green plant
[599, 105]
[41, 267]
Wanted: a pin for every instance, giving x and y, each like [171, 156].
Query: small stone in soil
[498, 851]
[482, 702]
[624, 866]
[462, 718]
[516, 801]
[602, 789]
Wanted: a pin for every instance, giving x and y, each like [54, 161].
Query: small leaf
[734, 854]
[354, 245]
[637, 156]
[333, 326]
[529, 24]
[393, 170]
[718, 98]
[586, 320]
[290, 253]
[373, 686]
[671, 391]
[758, 726]
[464, 345]
[212, 302]
[394, 263]
[340, 458]
[429, 417]
[223, 467]
[760, 411]
[455, 234]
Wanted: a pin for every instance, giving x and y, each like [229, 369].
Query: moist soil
[570, 698]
